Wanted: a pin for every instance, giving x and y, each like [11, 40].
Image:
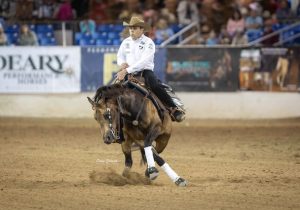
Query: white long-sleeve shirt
[139, 54]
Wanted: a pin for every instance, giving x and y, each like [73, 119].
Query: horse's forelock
[110, 91]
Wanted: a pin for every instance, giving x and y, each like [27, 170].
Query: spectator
[212, 39]
[224, 36]
[235, 22]
[149, 13]
[64, 11]
[167, 15]
[162, 31]
[27, 37]
[87, 26]
[3, 37]
[187, 12]
[283, 11]
[240, 38]
[205, 31]
[4, 8]
[99, 11]
[220, 13]
[270, 5]
[171, 5]
[133, 8]
[254, 22]
[10, 9]
[268, 30]
[24, 9]
[81, 7]
[46, 10]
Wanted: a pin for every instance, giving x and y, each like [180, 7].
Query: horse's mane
[109, 91]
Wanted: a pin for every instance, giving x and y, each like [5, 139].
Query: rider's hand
[121, 74]
[124, 66]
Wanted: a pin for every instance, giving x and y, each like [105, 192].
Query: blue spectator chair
[86, 41]
[102, 35]
[103, 28]
[44, 28]
[296, 29]
[287, 34]
[176, 27]
[158, 41]
[46, 41]
[253, 35]
[32, 27]
[12, 28]
[113, 35]
[116, 42]
[12, 38]
[278, 26]
[108, 42]
[118, 28]
[83, 42]
[78, 37]
[100, 42]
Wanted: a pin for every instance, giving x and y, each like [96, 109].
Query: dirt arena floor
[63, 164]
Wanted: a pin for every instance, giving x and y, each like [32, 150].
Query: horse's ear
[91, 101]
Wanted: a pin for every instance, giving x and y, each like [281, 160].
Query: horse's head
[106, 114]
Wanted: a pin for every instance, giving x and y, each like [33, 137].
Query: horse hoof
[126, 171]
[180, 182]
[151, 173]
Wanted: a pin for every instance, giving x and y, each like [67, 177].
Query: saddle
[138, 84]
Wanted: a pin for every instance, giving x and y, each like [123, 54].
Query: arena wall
[204, 105]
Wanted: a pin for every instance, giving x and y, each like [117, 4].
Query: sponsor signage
[40, 69]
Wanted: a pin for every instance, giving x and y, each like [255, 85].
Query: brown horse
[120, 108]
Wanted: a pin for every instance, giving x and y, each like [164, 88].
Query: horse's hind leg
[168, 170]
[161, 143]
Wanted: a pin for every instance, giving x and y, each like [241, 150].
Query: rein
[124, 112]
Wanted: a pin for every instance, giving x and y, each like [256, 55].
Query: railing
[288, 39]
[180, 35]
[275, 33]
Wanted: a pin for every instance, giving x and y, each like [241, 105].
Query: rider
[136, 56]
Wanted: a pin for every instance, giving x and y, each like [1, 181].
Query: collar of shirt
[139, 39]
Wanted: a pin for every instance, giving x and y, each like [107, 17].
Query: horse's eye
[106, 116]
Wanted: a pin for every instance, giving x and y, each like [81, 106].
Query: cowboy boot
[177, 114]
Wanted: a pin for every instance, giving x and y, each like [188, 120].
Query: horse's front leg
[126, 148]
[151, 172]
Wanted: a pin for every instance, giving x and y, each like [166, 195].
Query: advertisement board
[40, 69]
[203, 69]
[269, 69]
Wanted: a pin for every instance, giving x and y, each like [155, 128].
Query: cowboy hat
[137, 21]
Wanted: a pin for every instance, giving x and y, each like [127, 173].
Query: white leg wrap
[149, 156]
[170, 172]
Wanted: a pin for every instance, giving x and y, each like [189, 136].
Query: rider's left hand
[121, 74]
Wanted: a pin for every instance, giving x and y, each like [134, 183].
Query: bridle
[108, 117]
[113, 131]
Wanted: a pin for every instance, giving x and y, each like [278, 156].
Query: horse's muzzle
[109, 137]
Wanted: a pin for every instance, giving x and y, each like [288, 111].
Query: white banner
[40, 69]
